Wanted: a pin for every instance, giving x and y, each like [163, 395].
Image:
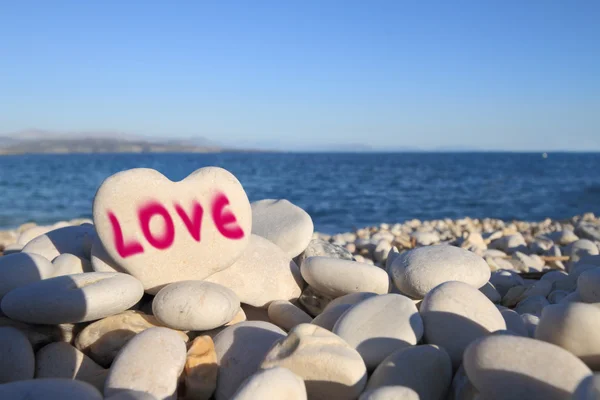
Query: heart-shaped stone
[162, 231]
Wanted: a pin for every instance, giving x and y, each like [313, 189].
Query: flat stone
[103, 339]
[49, 389]
[408, 366]
[416, 272]
[509, 244]
[286, 315]
[263, 273]
[335, 277]
[272, 383]
[588, 230]
[27, 234]
[17, 362]
[390, 393]
[162, 231]
[330, 316]
[69, 264]
[72, 298]
[321, 248]
[532, 305]
[61, 360]
[574, 327]
[20, 269]
[380, 325]
[156, 371]
[581, 248]
[456, 314]
[283, 223]
[236, 358]
[201, 369]
[38, 335]
[513, 367]
[330, 368]
[195, 305]
[101, 260]
[588, 285]
[70, 239]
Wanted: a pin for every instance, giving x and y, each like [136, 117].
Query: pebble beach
[187, 290]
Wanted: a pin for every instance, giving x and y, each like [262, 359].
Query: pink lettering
[124, 249]
[222, 218]
[145, 214]
[194, 223]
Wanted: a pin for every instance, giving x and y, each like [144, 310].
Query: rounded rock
[390, 393]
[283, 223]
[73, 298]
[195, 305]
[380, 325]
[151, 362]
[407, 367]
[513, 321]
[272, 383]
[417, 271]
[20, 269]
[201, 369]
[335, 277]
[50, 389]
[490, 292]
[532, 305]
[513, 367]
[286, 315]
[240, 350]
[531, 323]
[17, 362]
[330, 368]
[328, 318]
[70, 239]
[69, 264]
[455, 314]
[61, 360]
[319, 247]
[574, 327]
[350, 299]
[263, 273]
[588, 285]
[504, 280]
[102, 340]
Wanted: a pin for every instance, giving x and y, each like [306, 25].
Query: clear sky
[513, 75]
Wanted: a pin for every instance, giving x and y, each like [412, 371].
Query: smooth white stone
[189, 256]
[455, 314]
[29, 234]
[272, 383]
[72, 298]
[69, 264]
[462, 388]
[328, 318]
[195, 305]
[513, 321]
[20, 269]
[17, 362]
[490, 292]
[503, 280]
[150, 362]
[588, 389]
[378, 326]
[69, 239]
[61, 360]
[408, 367]
[350, 299]
[262, 274]
[557, 296]
[319, 247]
[574, 327]
[532, 305]
[100, 260]
[335, 277]
[286, 315]
[513, 367]
[417, 271]
[49, 389]
[240, 350]
[531, 322]
[331, 369]
[283, 223]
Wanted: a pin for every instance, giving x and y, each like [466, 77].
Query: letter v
[193, 224]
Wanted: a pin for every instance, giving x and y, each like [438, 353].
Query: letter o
[145, 214]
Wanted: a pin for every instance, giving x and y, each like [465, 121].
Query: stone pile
[187, 290]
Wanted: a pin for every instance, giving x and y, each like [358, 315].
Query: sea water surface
[339, 191]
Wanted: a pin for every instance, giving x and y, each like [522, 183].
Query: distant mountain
[40, 141]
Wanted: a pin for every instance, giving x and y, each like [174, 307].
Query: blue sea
[339, 191]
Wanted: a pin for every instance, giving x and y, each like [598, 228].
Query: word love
[224, 220]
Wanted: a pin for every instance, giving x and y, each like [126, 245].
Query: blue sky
[512, 75]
